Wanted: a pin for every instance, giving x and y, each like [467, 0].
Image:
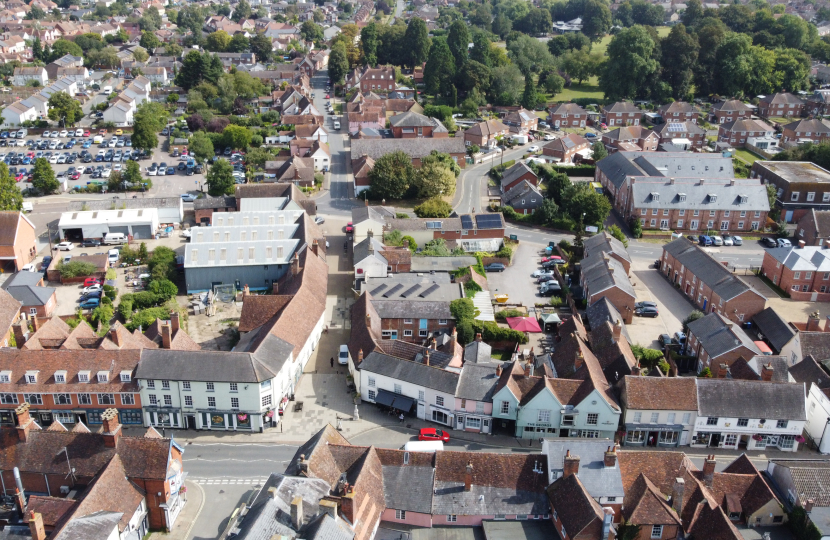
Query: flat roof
[797, 171]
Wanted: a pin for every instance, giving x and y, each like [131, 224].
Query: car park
[737, 240]
[705, 240]
[717, 241]
[727, 240]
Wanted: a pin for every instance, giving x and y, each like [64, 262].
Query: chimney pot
[709, 470]
[723, 369]
[813, 322]
[468, 477]
[24, 421]
[498, 370]
[174, 322]
[166, 336]
[112, 427]
[20, 499]
[611, 456]
[297, 513]
[808, 506]
[426, 357]
[766, 372]
[478, 337]
[359, 356]
[571, 464]
[617, 330]
[801, 244]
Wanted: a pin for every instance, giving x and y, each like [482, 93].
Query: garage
[119, 229]
[142, 232]
[140, 223]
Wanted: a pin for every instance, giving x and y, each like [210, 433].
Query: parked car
[717, 241]
[65, 246]
[349, 227]
[90, 303]
[433, 434]
[88, 282]
[545, 278]
[727, 240]
[343, 355]
[737, 240]
[646, 312]
[679, 338]
[92, 288]
[769, 242]
[44, 264]
[645, 304]
[783, 242]
[664, 340]
[90, 242]
[494, 267]
[319, 220]
[705, 240]
[540, 273]
[189, 197]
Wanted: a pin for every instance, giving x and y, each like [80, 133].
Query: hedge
[76, 269]
[576, 170]
[496, 172]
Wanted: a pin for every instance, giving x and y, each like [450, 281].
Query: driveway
[649, 284]
[515, 281]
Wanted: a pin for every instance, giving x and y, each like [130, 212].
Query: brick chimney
[175, 323]
[766, 372]
[112, 428]
[35, 323]
[295, 264]
[478, 337]
[20, 501]
[166, 336]
[275, 287]
[347, 509]
[617, 330]
[498, 370]
[468, 477]
[453, 339]
[315, 247]
[677, 495]
[611, 456]
[571, 464]
[827, 244]
[36, 526]
[579, 360]
[709, 470]
[297, 513]
[328, 507]
[723, 371]
[405, 243]
[801, 244]
[24, 421]
[814, 322]
[115, 338]
[808, 506]
[21, 333]
[635, 370]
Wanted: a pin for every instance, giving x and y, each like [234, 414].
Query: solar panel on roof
[393, 290]
[434, 287]
[466, 222]
[485, 221]
[676, 127]
[378, 289]
[410, 290]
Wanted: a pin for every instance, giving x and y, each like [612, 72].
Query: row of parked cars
[714, 240]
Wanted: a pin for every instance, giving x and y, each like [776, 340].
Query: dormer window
[83, 376]
[713, 197]
[60, 376]
[655, 196]
[744, 199]
[5, 376]
[31, 377]
[681, 197]
[126, 376]
[103, 376]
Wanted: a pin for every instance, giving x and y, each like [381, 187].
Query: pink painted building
[476, 386]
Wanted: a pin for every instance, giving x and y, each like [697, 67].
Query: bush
[146, 317]
[497, 172]
[462, 309]
[705, 373]
[433, 208]
[125, 307]
[110, 292]
[617, 233]
[564, 244]
[76, 269]
[576, 170]
[648, 357]
[106, 300]
[145, 299]
[505, 313]
[471, 288]
[102, 315]
[693, 316]
[556, 301]
[505, 251]
[401, 215]
[413, 245]
[164, 289]
[636, 227]
[490, 331]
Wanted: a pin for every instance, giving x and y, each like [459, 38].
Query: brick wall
[433, 325]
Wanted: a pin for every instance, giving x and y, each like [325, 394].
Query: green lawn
[586, 90]
[746, 155]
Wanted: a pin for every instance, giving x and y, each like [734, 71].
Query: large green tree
[63, 47]
[596, 19]
[439, 70]
[201, 146]
[63, 107]
[241, 11]
[239, 43]
[679, 50]
[220, 178]
[10, 197]
[792, 69]
[148, 120]
[710, 34]
[580, 64]
[217, 41]
[416, 40]
[369, 44]
[743, 68]
[43, 177]
[506, 84]
[237, 137]
[530, 97]
[311, 31]
[630, 66]
[149, 41]
[458, 41]
[262, 47]
[391, 176]
[433, 179]
[132, 173]
[338, 63]
[529, 54]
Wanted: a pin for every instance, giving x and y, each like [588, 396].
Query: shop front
[228, 421]
[661, 436]
[746, 441]
[165, 418]
[536, 430]
[472, 423]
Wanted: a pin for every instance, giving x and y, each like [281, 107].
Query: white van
[107, 90]
[113, 255]
[423, 446]
[115, 238]
[98, 139]
[28, 207]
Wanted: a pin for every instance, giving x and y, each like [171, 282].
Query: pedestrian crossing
[251, 481]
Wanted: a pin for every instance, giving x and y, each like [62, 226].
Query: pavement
[195, 503]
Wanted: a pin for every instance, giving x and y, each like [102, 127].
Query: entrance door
[715, 440]
[394, 334]
[653, 437]
[459, 422]
[421, 411]
[191, 421]
[788, 217]
[705, 301]
[81, 417]
[485, 427]
[684, 438]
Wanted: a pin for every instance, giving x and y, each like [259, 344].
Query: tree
[224, 10]
[505, 84]
[417, 43]
[140, 55]
[553, 83]
[458, 41]
[37, 50]
[241, 11]
[710, 34]
[261, 47]
[557, 45]
[218, 41]
[433, 179]
[580, 64]
[744, 68]
[536, 22]
[201, 146]
[693, 13]
[132, 173]
[792, 69]
[647, 14]
[239, 43]
[474, 75]
[529, 98]
[583, 204]
[630, 65]
[63, 107]
[433, 208]
[481, 49]
[598, 151]
[311, 31]
[62, 47]
[692, 317]
[679, 50]
[220, 178]
[338, 63]
[106, 57]
[596, 19]
[482, 16]
[148, 120]
[502, 26]
[149, 41]
[172, 98]
[195, 122]
[439, 69]
[43, 177]
[10, 197]
[35, 13]
[529, 54]
[190, 74]
[369, 44]
[391, 176]
[237, 137]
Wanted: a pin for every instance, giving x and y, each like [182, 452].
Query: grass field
[746, 155]
[587, 90]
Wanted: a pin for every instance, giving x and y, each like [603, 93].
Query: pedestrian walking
[332, 361]
[401, 418]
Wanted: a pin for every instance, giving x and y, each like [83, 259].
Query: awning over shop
[396, 401]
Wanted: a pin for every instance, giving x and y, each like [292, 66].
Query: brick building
[411, 125]
[484, 134]
[515, 175]
[814, 227]
[564, 149]
[631, 138]
[781, 105]
[806, 130]
[801, 186]
[716, 340]
[413, 308]
[708, 284]
[372, 79]
[679, 111]
[621, 113]
[568, 115]
[521, 121]
[729, 110]
[739, 132]
[605, 243]
[604, 276]
[803, 271]
[472, 231]
[685, 134]
[17, 241]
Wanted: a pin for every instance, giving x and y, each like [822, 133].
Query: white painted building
[24, 75]
[817, 428]
[17, 113]
[121, 112]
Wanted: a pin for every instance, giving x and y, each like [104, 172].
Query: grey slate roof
[414, 148]
[375, 213]
[477, 382]
[514, 172]
[603, 311]
[664, 164]
[410, 119]
[605, 243]
[450, 498]
[361, 249]
[213, 202]
[412, 309]
[412, 372]
[599, 480]
[689, 194]
[729, 398]
[523, 189]
[718, 335]
[415, 287]
[23, 286]
[815, 344]
[808, 258]
[617, 167]
[96, 525]
[478, 352]
[774, 328]
[810, 372]
[708, 270]
[408, 488]
[600, 274]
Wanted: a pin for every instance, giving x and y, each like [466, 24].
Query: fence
[756, 150]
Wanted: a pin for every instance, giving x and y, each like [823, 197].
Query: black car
[646, 312]
[693, 238]
[665, 340]
[44, 264]
[647, 303]
[90, 243]
[182, 166]
[769, 242]
[494, 267]
[92, 294]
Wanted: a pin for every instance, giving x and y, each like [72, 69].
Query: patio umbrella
[523, 324]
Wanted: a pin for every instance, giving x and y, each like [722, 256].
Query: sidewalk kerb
[199, 511]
